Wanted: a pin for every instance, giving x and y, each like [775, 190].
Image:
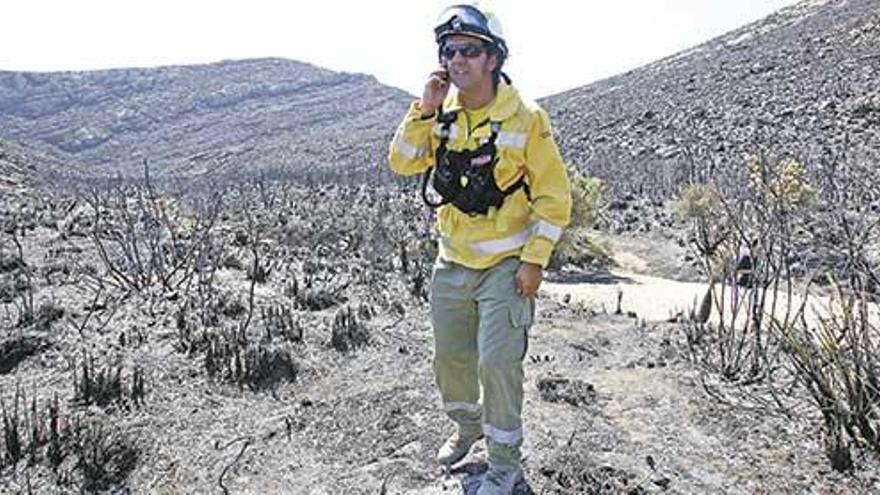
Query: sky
[555, 45]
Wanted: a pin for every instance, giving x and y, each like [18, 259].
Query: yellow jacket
[528, 228]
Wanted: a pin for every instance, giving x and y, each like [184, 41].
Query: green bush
[576, 245]
[700, 202]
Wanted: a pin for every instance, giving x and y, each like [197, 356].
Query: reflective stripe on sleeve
[547, 230]
[408, 150]
[511, 139]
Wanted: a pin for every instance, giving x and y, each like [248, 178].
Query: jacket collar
[504, 106]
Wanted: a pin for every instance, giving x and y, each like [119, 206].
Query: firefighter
[504, 200]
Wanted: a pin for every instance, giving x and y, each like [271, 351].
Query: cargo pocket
[436, 274]
[522, 315]
[522, 312]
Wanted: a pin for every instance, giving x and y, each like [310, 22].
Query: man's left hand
[528, 279]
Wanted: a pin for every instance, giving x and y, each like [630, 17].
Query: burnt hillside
[801, 82]
[204, 118]
[24, 170]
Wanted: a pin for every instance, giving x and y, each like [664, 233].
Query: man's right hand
[435, 91]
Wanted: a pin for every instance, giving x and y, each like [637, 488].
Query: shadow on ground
[592, 277]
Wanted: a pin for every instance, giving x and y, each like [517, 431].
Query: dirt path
[651, 298]
[657, 299]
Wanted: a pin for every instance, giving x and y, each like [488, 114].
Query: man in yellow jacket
[504, 201]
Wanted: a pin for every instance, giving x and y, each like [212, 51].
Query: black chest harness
[466, 178]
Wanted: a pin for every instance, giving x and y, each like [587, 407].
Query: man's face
[468, 61]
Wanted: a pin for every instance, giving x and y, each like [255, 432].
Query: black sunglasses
[467, 50]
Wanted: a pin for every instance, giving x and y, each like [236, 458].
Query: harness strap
[446, 120]
[496, 128]
[521, 182]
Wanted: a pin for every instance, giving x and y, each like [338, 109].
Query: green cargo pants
[480, 338]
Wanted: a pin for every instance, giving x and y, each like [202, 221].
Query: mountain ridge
[115, 119]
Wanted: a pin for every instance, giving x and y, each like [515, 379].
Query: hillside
[24, 170]
[801, 82]
[265, 112]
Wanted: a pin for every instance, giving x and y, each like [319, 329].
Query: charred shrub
[279, 322]
[366, 311]
[574, 392]
[101, 456]
[259, 272]
[47, 314]
[10, 263]
[317, 300]
[107, 385]
[839, 364]
[259, 367]
[348, 332]
[56, 272]
[229, 307]
[313, 296]
[749, 238]
[233, 262]
[14, 350]
[104, 458]
[321, 288]
[12, 436]
[575, 475]
[144, 239]
[265, 367]
[11, 287]
[33, 434]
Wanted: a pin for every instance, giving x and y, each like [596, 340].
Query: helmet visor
[462, 19]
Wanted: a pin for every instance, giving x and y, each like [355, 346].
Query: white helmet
[470, 20]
